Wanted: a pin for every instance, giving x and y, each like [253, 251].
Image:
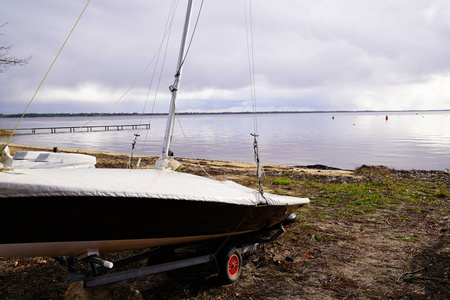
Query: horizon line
[218, 112]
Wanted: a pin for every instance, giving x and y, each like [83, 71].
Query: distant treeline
[33, 115]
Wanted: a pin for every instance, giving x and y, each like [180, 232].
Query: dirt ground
[369, 233]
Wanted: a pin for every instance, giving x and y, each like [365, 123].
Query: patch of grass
[443, 192]
[282, 182]
[323, 215]
[343, 213]
[353, 198]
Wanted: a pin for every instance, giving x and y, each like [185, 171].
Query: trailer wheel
[230, 265]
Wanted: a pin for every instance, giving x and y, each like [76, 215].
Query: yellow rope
[35, 93]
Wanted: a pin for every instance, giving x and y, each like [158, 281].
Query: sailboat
[52, 211]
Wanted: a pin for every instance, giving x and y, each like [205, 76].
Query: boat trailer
[228, 262]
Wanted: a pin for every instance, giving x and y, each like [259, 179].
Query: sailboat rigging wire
[121, 97]
[255, 135]
[251, 61]
[166, 37]
[163, 160]
[193, 33]
[48, 71]
[167, 29]
[190, 149]
[133, 145]
[258, 163]
[255, 124]
[251, 67]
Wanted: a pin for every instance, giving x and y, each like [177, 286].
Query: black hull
[70, 226]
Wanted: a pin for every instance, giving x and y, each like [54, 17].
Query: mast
[163, 160]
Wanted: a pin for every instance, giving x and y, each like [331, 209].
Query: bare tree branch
[6, 60]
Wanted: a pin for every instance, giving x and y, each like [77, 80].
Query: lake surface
[407, 140]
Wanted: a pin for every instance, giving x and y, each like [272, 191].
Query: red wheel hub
[233, 265]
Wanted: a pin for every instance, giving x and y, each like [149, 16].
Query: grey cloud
[309, 55]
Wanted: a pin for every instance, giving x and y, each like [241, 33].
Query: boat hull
[72, 226]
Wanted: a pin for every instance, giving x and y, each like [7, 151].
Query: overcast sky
[309, 55]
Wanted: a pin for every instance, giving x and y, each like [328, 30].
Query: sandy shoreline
[117, 160]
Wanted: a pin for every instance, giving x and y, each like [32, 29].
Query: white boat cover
[51, 160]
[136, 183]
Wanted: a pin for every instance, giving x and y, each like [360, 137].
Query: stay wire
[166, 37]
[182, 63]
[172, 11]
[249, 31]
[251, 66]
[251, 61]
[207, 174]
[192, 36]
[48, 71]
[190, 149]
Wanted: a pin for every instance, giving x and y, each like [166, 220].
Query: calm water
[408, 140]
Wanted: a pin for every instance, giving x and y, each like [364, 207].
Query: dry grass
[4, 132]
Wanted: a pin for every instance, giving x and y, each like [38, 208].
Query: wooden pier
[82, 128]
